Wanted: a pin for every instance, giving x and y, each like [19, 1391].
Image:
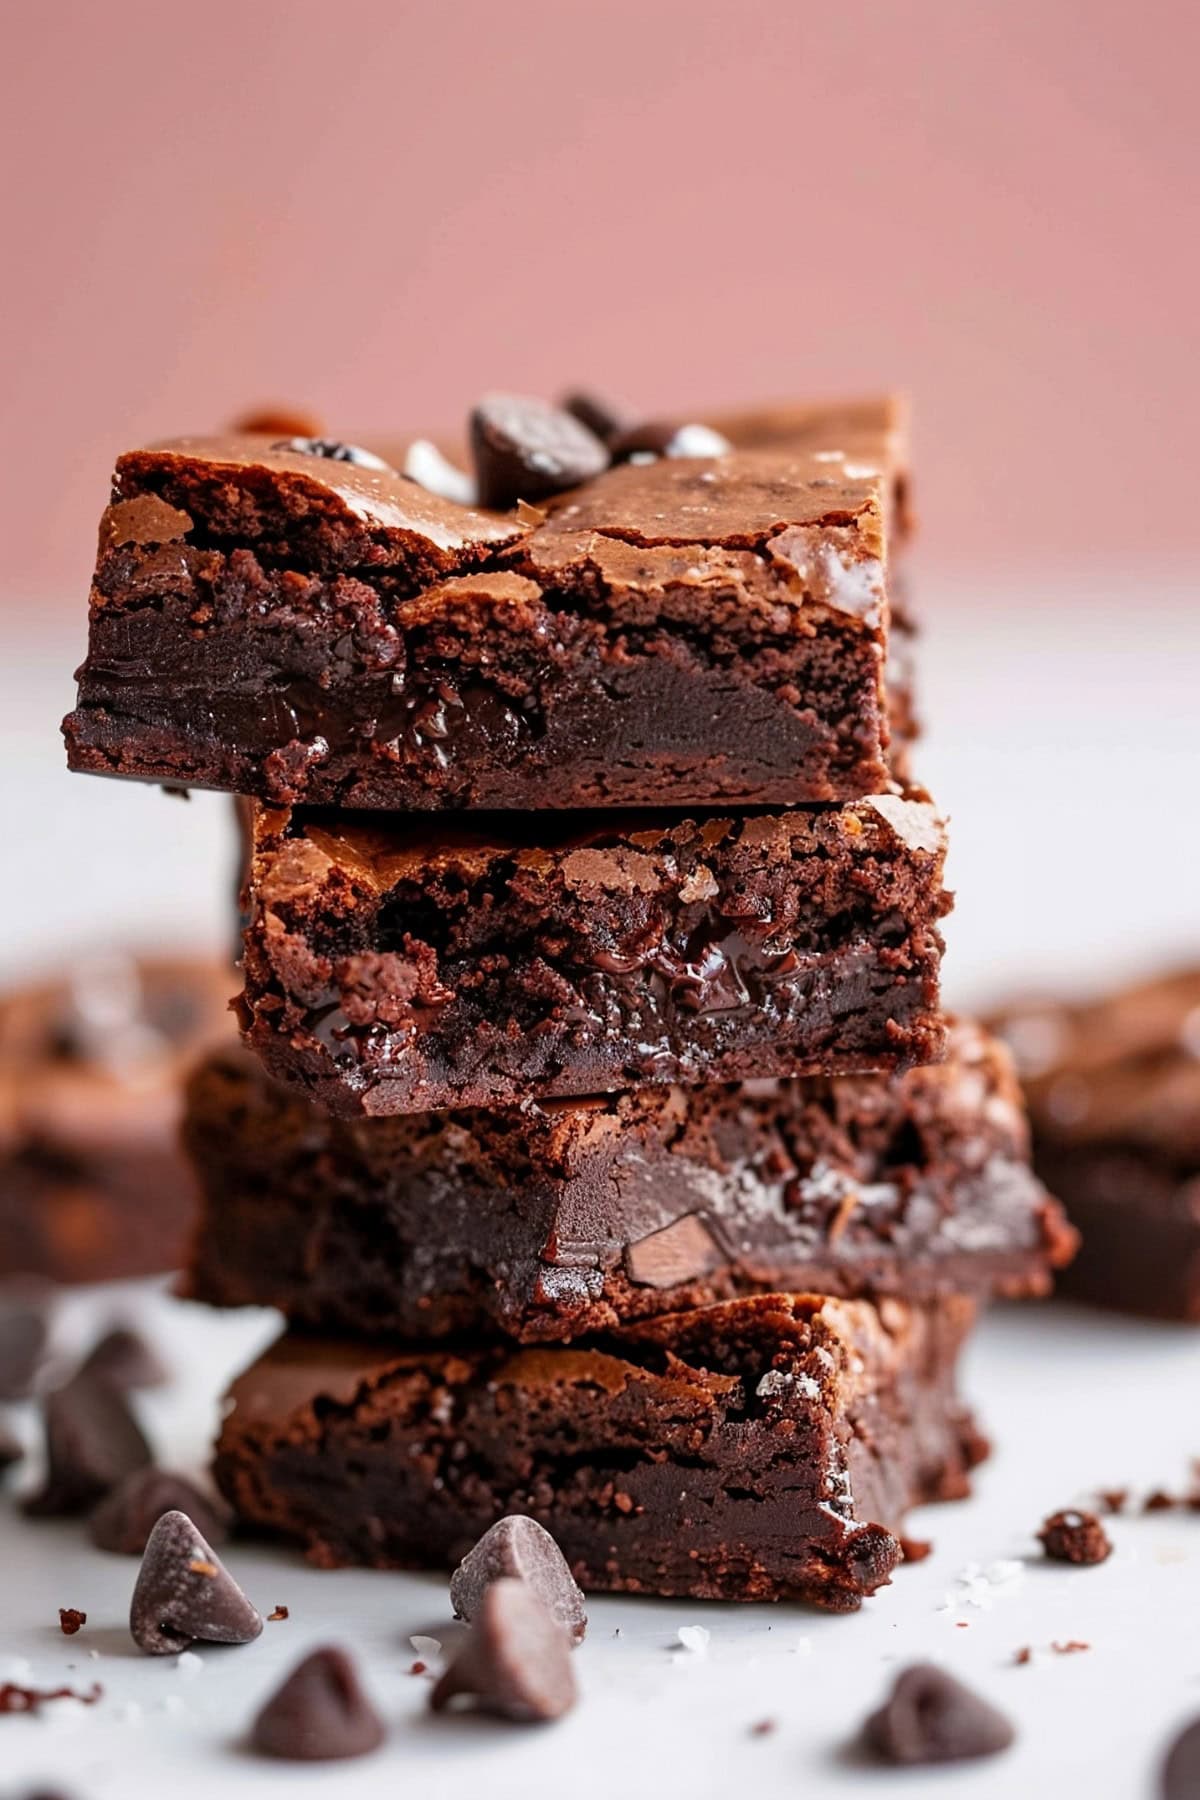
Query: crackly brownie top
[814, 520]
[1124, 1069]
[583, 853]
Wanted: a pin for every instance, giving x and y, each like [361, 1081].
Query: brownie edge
[761, 1449]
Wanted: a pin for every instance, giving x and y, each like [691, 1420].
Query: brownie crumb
[915, 1550]
[17, 1699]
[1068, 1646]
[278, 1612]
[763, 1728]
[70, 1619]
[1023, 1656]
[1113, 1500]
[1075, 1537]
[1159, 1501]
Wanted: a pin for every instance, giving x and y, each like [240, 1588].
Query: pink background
[382, 209]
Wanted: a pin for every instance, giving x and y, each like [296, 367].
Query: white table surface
[1067, 764]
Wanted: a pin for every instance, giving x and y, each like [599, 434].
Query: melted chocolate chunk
[520, 1549]
[931, 1718]
[526, 450]
[185, 1594]
[320, 1714]
[516, 1662]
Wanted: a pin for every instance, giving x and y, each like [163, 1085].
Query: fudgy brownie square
[92, 1182]
[394, 965]
[550, 1221]
[762, 1449]
[1114, 1098]
[310, 625]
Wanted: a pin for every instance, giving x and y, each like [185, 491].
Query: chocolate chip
[1181, 1771]
[70, 1620]
[526, 450]
[23, 1336]
[520, 1549]
[931, 1718]
[125, 1359]
[333, 450]
[1075, 1537]
[185, 1594]
[92, 1442]
[11, 1448]
[425, 464]
[516, 1662]
[600, 416]
[320, 1714]
[125, 1518]
[666, 437]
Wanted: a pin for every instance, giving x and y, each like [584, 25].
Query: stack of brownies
[603, 1142]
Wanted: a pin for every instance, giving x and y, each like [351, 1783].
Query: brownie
[761, 1449]
[305, 629]
[92, 1183]
[1114, 1097]
[547, 1222]
[394, 967]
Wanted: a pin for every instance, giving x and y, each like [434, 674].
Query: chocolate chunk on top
[518, 1548]
[320, 1714]
[1075, 1537]
[185, 1594]
[526, 450]
[125, 1517]
[516, 1662]
[598, 412]
[929, 1717]
[92, 1442]
[667, 437]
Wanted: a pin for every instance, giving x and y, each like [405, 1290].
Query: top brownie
[285, 623]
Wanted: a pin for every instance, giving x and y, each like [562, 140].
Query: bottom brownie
[758, 1449]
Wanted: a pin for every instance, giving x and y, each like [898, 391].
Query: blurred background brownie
[763, 1449]
[1114, 1098]
[549, 1221]
[92, 1183]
